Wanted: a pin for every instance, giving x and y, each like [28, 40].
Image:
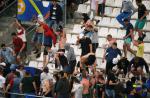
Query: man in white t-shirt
[2, 82]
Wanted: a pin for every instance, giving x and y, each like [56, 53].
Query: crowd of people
[77, 79]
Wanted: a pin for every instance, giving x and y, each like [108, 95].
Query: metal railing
[3, 10]
[23, 95]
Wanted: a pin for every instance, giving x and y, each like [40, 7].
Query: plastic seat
[82, 8]
[116, 12]
[73, 39]
[33, 64]
[77, 29]
[101, 42]
[115, 23]
[113, 32]
[147, 4]
[120, 44]
[103, 32]
[147, 47]
[118, 3]
[40, 58]
[110, 2]
[68, 38]
[135, 15]
[100, 52]
[147, 26]
[108, 11]
[133, 22]
[147, 38]
[121, 33]
[104, 22]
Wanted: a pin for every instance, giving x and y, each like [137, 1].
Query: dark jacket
[59, 12]
[62, 87]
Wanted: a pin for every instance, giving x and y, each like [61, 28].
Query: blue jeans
[110, 93]
[123, 16]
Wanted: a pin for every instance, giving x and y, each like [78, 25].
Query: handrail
[8, 6]
[25, 95]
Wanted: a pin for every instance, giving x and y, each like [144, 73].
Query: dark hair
[56, 76]
[61, 73]
[13, 34]
[46, 70]
[139, 1]
[133, 79]
[17, 74]
[115, 43]
[126, 20]
[109, 35]
[3, 45]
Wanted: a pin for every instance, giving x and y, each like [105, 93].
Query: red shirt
[18, 43]
[49, 32]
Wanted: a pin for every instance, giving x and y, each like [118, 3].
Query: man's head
[3, 46]
[140, 40]
[126, 21]
[54, 2]
[138, 2]
[14, 35]
[114, 45]
[109, 37]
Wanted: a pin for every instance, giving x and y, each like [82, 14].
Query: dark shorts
[91, 60]
[38, 37]
[47, 41]
[94, 47]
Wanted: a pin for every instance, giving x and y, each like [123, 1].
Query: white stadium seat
[101, 42]
[147, 26]
[116, 12]
[147, 4]
[118, 3]
[82, 8]
[33, 64]
[103, 32]
[135, 15]
[104, 22]
[147, 38]
[73, 39]
[120, 44]
[108, 11]
[121, 33]
[115, 23]
[113, 32]
[110, 2]
[147, 47]
[77, 29]
[147, 58]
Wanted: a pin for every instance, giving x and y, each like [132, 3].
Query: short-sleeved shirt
[85, 45]
[129, 27]
[7, 55]
[140, 50]
[28, 85]
[2, 81]
[18, 43]
[112, 53]
[141, 11]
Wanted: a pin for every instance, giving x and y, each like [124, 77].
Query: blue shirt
[7, 55]
[112, 53]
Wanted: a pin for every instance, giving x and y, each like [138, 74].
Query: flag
[27, 9]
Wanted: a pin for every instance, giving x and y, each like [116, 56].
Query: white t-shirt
[2, 81]
[93, 4]
[100, 1]
[77, 89]
[22, 34]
